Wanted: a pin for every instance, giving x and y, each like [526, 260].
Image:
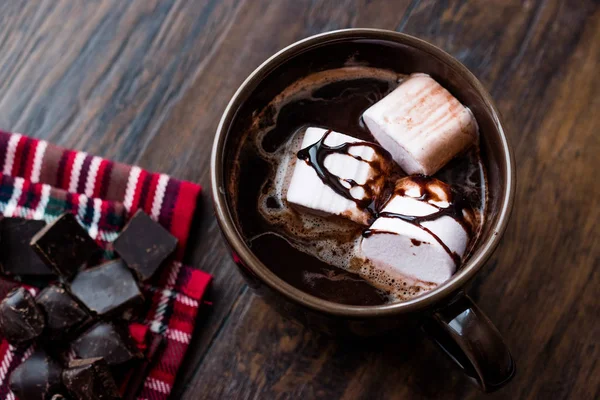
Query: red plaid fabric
[41, 181]
[169, 201]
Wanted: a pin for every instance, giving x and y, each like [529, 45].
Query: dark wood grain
[146, 81]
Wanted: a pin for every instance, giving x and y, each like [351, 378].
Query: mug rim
[238, 244]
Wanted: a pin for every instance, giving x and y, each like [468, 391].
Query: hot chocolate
[322, 253]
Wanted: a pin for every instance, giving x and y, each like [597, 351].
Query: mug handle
[468, 336]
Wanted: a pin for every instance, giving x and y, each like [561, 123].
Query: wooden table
[146, 81]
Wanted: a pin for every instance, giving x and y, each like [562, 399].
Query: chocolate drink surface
[318, 255]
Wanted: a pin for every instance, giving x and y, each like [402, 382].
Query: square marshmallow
[421, 124]
[308, 192]
[404, 249]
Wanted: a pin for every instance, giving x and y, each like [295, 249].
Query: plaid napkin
[41, 181]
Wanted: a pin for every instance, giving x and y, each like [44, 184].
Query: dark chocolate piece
[90, 379]
[38, 377]
[64, 314]
[16, 256]
[137, 379]
[107, 289]
[109, 341]
[6, 285]
[20, 317]
[144, 245]
[64, 245]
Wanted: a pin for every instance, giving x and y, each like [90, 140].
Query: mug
[446, 313]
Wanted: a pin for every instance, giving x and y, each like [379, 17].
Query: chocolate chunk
[90, 379]
[20, 317]
[144, 245]
[109, 288]
[64, 245]
[109, 341]
[6, 285]
[38, 377]
[16, 256]
[64, 314]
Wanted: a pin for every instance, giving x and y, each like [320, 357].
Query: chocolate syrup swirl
[315, 155]
[456, 210]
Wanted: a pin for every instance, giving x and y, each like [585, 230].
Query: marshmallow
[308, 192]
[421, 124]
[406, 250]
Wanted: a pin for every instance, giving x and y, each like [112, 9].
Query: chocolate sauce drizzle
[315, 155]
[455, 210]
